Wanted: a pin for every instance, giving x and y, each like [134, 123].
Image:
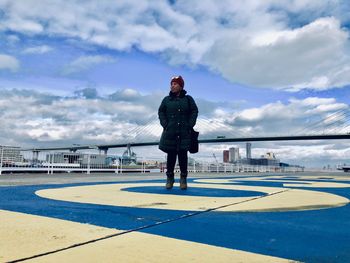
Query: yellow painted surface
[140, 247]
[23, 235]
[293, 199]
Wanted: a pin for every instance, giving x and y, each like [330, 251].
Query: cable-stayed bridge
[333, 126]
[104, 147]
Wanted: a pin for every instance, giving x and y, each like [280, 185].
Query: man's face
[175, 87]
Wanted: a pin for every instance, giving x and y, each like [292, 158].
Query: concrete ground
[303, 217]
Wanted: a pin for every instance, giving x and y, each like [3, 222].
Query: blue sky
[95, 71]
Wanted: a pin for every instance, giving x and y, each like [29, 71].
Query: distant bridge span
[105, 147]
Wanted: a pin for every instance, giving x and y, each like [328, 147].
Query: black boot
[183, 181]
[169, 180]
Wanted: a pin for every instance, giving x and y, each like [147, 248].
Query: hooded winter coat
[178, 116]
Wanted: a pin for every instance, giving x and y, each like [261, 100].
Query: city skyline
[95, 72]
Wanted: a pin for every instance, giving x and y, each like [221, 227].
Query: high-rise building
[9, 154]
[226, 156]
[249, 150]
[233, 154]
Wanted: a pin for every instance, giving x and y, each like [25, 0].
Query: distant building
[226, 156]
[78, 158]
[233, 154]
[10, 154]
[261, 161]
[112, 160]
[248, 150]
[269, 155]
[269, 159]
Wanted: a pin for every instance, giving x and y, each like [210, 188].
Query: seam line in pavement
[143, 227]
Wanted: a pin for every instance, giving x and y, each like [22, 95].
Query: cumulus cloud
[38, 50]
[298, 117]
[88, 93]
[292, 45]
[8, 63]
[23, 25]
[85, 62]
[314, 56]
[125, 95]
[54, 119]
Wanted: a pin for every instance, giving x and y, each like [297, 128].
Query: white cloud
[38, 50]
[290, 45]
[51, 119]
[8, 63]
[22, 25]
[298, 117]
[314, 56]
[86, 62]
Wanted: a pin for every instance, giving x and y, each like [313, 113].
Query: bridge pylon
[103, 149]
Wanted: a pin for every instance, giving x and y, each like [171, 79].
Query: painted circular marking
[275, 198]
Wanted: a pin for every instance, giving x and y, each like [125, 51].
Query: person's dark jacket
[177, 115]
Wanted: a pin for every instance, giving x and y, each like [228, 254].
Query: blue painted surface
[194, 191]
[23, 199]
[262, 183]
[309, 236]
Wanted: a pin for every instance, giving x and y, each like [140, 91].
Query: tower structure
[249, 150]
[233, 154]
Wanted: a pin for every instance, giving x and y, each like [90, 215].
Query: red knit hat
[179, 80]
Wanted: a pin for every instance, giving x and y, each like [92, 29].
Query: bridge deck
[220, 218]
[214, 140]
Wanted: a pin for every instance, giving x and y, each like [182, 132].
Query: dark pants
[171, 160]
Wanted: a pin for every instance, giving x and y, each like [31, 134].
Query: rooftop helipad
[220, 218]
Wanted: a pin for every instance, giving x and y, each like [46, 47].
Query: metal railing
[45, 163]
